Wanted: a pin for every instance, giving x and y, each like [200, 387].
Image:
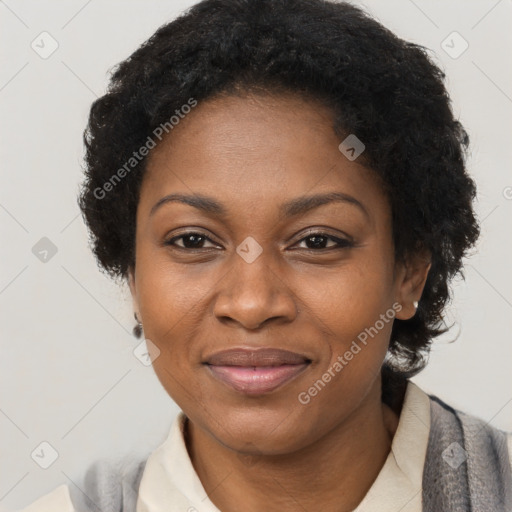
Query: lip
[256, 371]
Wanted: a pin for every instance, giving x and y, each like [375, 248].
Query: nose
[253, 294]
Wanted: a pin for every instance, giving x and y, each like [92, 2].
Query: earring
[415, 304]
[137, 330]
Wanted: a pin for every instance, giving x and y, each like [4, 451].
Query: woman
[282, 183]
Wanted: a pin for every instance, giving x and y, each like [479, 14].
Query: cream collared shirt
[170, 484]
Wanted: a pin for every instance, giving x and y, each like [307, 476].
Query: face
[265, 273]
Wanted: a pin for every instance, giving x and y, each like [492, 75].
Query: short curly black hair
[386, 90]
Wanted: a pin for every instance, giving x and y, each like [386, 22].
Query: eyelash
[341, 242]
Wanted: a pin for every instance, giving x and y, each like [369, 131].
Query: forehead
[255, 150]
[247, 128]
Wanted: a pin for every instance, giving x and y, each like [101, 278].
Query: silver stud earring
[137, 330]
[415, 304]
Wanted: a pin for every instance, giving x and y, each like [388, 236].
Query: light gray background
[68, 373]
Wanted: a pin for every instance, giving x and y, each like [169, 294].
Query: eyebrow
[297, 206]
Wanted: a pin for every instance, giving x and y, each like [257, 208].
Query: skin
[253, 153]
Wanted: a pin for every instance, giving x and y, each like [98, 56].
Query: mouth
[256, 372]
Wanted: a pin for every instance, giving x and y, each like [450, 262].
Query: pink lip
[255, 372]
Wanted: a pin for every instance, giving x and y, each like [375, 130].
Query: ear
[133, 290]
[410, 280]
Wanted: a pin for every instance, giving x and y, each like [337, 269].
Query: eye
[314, 241]
[191, 240]
[319, 241]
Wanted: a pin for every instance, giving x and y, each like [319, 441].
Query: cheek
[173, 306]
[354, 313]
[169, 294]
[349, 299]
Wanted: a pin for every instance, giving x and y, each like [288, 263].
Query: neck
[340, 467]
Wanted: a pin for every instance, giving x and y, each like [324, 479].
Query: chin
[260, 431]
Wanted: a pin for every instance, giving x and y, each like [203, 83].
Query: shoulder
[475, 432]
[509, 446]
[467, 459]
[109, 484]
[480, 436]
[471, 424]
[58, 500]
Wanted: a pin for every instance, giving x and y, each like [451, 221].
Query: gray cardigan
[467, 469]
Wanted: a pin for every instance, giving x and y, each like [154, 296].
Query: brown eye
[321, 241]
[190, 240]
